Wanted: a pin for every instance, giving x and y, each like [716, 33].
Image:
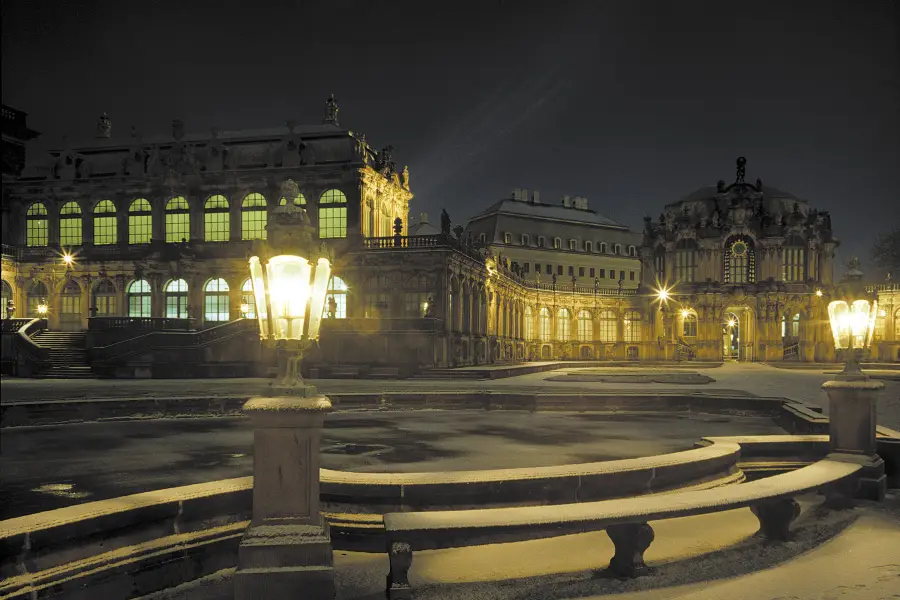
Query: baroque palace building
[132, 233]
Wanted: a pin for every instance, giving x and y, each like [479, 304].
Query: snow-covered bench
[625, 520]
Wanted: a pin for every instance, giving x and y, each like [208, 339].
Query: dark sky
[631, 103]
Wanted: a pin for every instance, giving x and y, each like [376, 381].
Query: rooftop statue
[445, 222]
[331, 111]
[741, 170]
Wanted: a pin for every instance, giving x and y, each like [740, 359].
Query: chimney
[516, 194]
[567, 201]
[524, 196]
[536, 197]
[423, 218]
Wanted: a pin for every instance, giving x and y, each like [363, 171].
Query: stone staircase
[68, 359]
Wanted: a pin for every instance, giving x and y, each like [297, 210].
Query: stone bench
[348, 371]
[625, 520]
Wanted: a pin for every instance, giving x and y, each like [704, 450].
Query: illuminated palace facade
[160, 229]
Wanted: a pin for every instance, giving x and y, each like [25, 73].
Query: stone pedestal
[286, 551]
[851, 425]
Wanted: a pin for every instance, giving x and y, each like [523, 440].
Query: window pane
[253, 217]
[70, 231]
[104, 231]
[36, 225]
[140, 229]
[217, 226]
[333, 222]
[178, 220]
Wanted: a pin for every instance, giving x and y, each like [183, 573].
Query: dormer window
[507, 238]
[482, 238]
[573, 244]
[557, 243]
[602, 247]
[588, 247]
[526, 240]
[542, 242]
[631, 251]
[617, 249]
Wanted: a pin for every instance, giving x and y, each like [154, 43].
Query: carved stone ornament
[331, 111]
[104, 126]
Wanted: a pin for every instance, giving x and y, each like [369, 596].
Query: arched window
[36, 226]
[563, 325]
[70, 312]
[178, 221]
[216, 220]
[337, 290]
[36, 295]
[588, 246]
[585, 326]
[793, 259]
[790, 326]
[6, 295]
[632, 251]
[70, 225]
[300, 200]
[545, 327]
[104, 300]
[897, 325]
[105, 223]
[253, 217]
[139, 298]
[529, 323]
[685, 260]
[215, 301]
[557, 243]
[140, 222]
[689, 330]
[248, 299]
[332, 214]
[176, 299]
[740, 261]
[608, 324]
[632, 329]
[602, 247]
[617, 249]
[878, 332]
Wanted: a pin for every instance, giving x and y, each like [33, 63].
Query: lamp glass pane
[289, 290]
[259, 293]
[839, 317]
[317, 301]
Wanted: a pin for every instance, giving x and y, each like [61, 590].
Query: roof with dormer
[550, 212]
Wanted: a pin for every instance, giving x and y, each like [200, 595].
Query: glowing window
[529, 323]
[253, 217]
[104, 299]
[36, 295]
[585, 326]
[105, 223]
[300, 200]
[70, 223]
[544, 324]
[563, 325]
[216, 220]
[608, 327]
[177, 299]
[140, 222]
[36, 225]
[690, 326]
[215, 301]
[178, 221]
[333, 214]
[248, 298]
[139, 298]
[793, 258]
[337, 290]
[632, 329]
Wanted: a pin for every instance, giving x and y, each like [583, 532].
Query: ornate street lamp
[286, 551]
[852, 318]
[852, 396]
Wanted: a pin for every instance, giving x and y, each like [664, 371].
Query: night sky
[632, 104]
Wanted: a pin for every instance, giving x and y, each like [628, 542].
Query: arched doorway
[104, 304]
[731, 336]
[738, 333]
[35, 297]
[70, 307]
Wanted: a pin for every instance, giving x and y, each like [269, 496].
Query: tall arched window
[178, 221]
[608, 325]
[140, 222]
[563, 325]
[897, 325]
[300, 200]
[36, 295]
[176, 299]
[685, 260]
[793, 259]
[36, 225]
[632, 329]
[104, 300]
[248, 299]
[689, 329]
[585, 326]
[332, 214]
[659, 262]
[337, 290]
[70, 306]
[216, 220]
[105, 223]
[253, 217]
[740, 261]
[544, 325]
[6, 295]
[139, 298]
[70, 225]
[529, 323]
[215, 301]
[603, 247]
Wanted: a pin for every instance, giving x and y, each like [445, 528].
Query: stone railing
[359, 325]
[20, 355]
[14, 325]
[173, 339]
[139, 324]
[883, 287]
[12, 252]
[569, 288]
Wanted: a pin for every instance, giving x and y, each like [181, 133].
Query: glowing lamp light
[732, 323]
[819, 293]
[245, 309]
[67, 258]
[290, 296]
[42, 309]
[685, 313]
[852, 324]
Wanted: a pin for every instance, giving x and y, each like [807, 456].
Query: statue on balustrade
[445, 222]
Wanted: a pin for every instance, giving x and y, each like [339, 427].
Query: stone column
[286, 552]
[851, 428]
